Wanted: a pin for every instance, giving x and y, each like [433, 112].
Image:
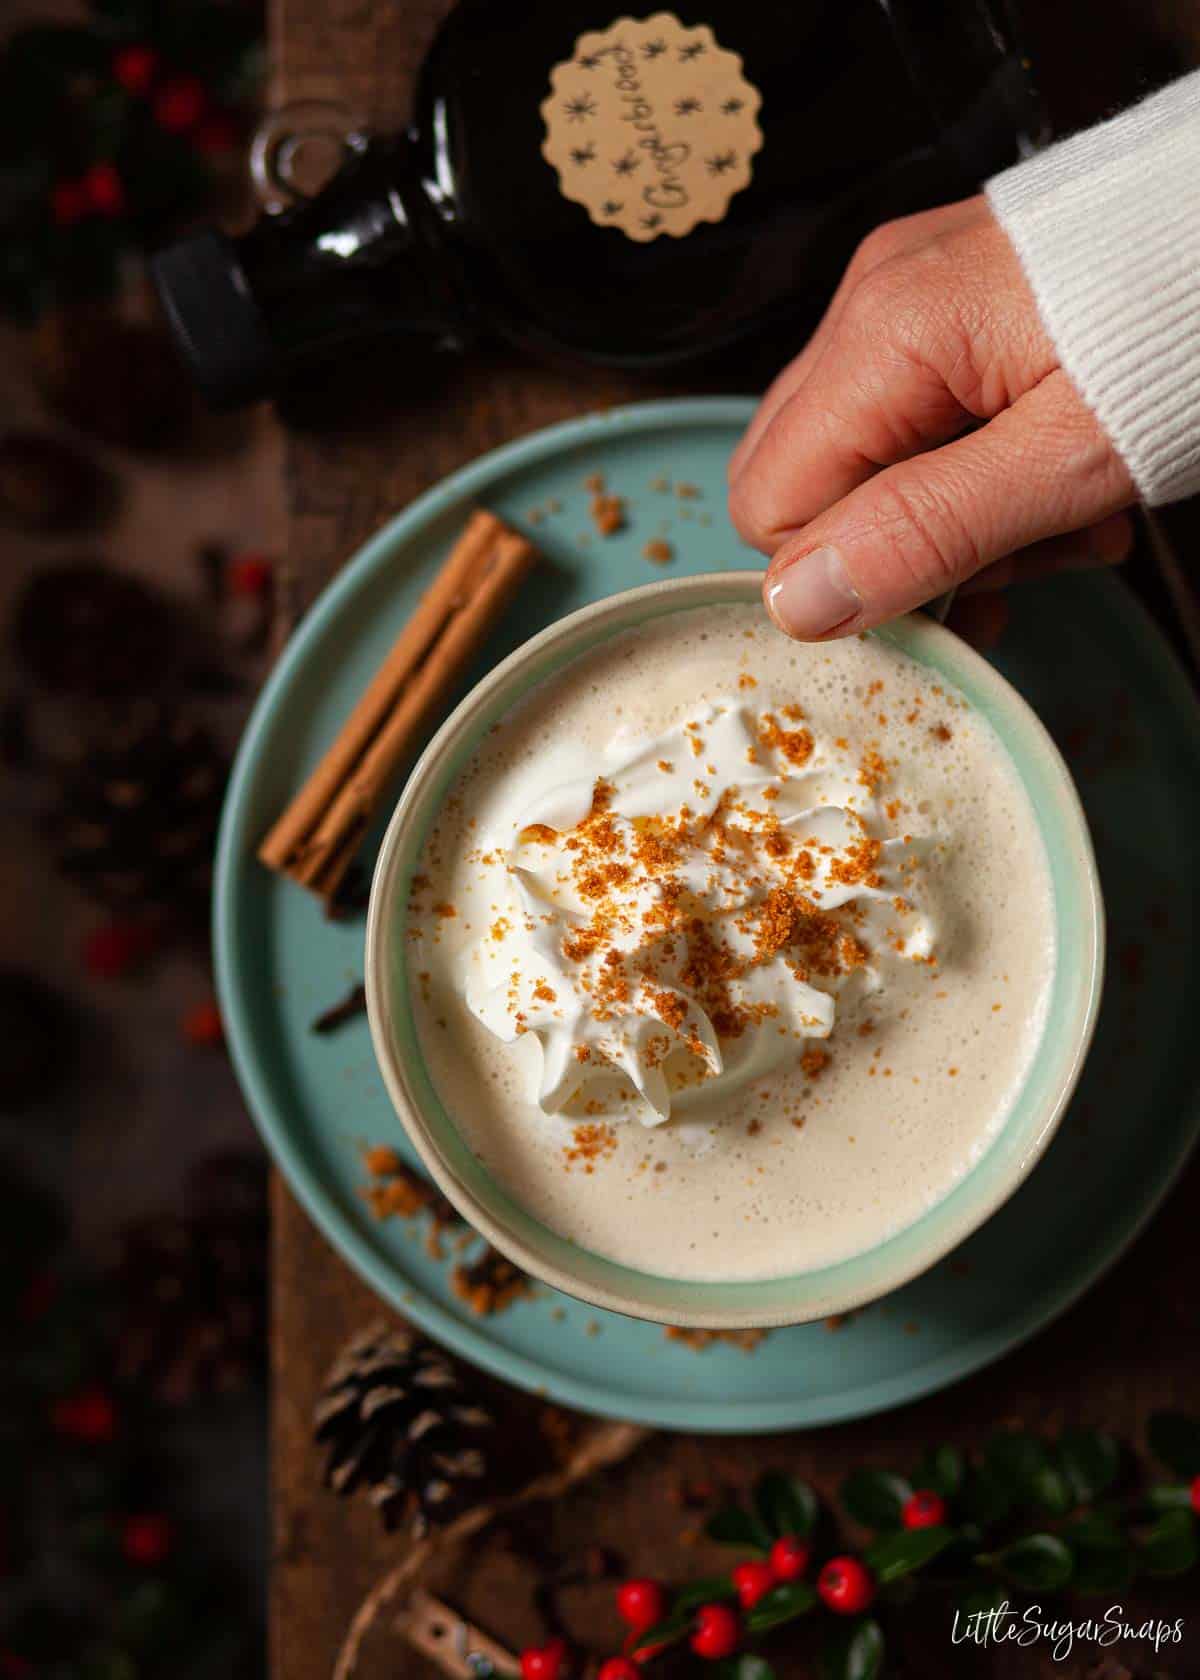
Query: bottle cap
[214, 318]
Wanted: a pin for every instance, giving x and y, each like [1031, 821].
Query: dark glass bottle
[459, 226]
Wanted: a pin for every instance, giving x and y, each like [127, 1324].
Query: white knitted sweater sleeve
[1107, 226]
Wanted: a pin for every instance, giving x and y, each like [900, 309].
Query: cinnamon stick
[315, 839]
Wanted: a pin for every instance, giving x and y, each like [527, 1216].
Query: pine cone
[48, 485]
[397, 1421]
[84, 629]
[137, 821]
[119, 381]
[192, 1286]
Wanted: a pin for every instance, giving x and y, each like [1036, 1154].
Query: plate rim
[469, 1341]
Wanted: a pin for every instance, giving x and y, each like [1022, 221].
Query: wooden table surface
[1130, 1346]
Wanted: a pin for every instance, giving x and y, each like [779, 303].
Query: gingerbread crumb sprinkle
[591, 1142]
[490, 1284]
[608, 513]
[381, 1161]
[698, 1340]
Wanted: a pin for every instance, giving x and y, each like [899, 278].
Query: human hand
[925, 437]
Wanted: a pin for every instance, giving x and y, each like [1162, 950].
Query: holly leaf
[1041, 1562]
[875, 1498]
[782, 1604]
[1023, 1464]
[1104, 1560]
[901, 1554]
[1175, 1438]
[1050, 1491]
[702, 1592]
[853, 1652]
[736, 1526]
[986, 1498]
[1175, 1496]
[1091, 1462]
[981, 1598]
[1096, 1530]
[746, 1666]
[785, 1505]
[1016, 1456]
[667, 1632]
[940, 1469]
[1170, 1546]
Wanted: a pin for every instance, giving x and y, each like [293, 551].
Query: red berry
[752, 1580]
[87, 1415]
[640, 1603]
[544, 1662]
[925, 1509]
[619, 1668]
[147, 1540]
[846, 1585]
[114, 950]
[1196, 1495]
[217, 134]
[250, 574]
[104, 190]
[790, 1558]
[202, 1024]
[717, 1632]
[135, 67]
[180, 103]
[68, 202]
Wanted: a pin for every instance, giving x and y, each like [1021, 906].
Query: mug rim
[798, 1297]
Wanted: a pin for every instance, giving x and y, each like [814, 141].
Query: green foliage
[1175, 1438]
[1087, 1538]
[980, 1596]
[1169, 1548]
[781, 1604]
[986, 1497]
[1172, 1496]
[785, 1505]
[669, 1631]
[1091, 1462]
[897, 1555]
[734, 1525]
[853, 1652]
[706, 1591]
[875, 1498]
[76, 1605]
[746, 1666]
[940, 1469]
[1039, 1562]
[62, 111]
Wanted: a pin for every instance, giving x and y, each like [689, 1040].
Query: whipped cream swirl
[693, 913]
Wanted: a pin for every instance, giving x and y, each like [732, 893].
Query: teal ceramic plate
[1080, 650]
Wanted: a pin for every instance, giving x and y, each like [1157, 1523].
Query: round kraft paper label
[651, 126]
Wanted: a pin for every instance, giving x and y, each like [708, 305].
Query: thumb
[1038, 469]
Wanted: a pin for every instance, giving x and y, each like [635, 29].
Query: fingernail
[813, 595]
